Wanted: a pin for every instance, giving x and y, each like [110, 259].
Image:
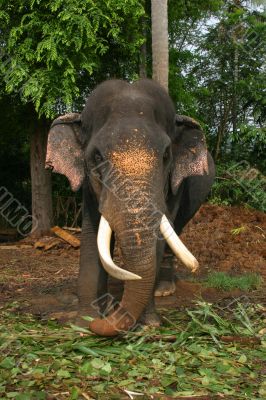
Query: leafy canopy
[51, 48]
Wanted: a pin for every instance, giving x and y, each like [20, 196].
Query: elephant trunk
[138, 248]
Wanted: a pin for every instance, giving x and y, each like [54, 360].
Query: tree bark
[222, 128]
[41, 182]
[235, 80]
[160, 52]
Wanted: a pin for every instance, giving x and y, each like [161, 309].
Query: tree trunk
[222, 128]
[160, 53]
[41, 183]
[235, 80]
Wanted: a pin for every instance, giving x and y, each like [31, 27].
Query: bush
[239, 183]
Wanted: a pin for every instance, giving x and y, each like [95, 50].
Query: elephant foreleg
[92, 280]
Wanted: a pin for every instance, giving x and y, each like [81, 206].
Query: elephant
[144, 172]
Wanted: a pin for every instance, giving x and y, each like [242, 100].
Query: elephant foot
[150, 318]
[165, 288]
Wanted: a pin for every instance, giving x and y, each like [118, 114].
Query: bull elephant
[144, 171]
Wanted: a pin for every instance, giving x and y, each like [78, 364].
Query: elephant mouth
[174, 242]
[103, 242]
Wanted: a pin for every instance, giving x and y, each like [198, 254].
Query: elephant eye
[166, 155]
[97, 157]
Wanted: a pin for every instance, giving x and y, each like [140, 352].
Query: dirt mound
[231, 239]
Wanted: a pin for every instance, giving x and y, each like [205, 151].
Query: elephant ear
[189, 151]
[64, 150]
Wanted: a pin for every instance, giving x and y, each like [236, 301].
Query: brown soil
[213, 238]
[45, 281]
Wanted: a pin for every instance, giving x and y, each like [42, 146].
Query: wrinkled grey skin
[136, 160]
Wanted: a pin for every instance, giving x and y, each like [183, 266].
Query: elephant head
[134, 150]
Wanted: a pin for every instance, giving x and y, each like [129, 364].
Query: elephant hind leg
[166, 280]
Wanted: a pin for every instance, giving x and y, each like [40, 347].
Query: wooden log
[47, 244]
[67, 237]
[241, 339]
[69, 228]
[52, 244]
[39, 245]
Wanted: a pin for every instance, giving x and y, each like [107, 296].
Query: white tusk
[103, 241]
[177, 246]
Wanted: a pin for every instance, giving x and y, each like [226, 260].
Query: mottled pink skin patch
[64, 155]
[194, 162]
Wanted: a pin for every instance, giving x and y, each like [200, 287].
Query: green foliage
[184, 17]
[223, 281]
[217, 75]
[239, 183]
[185, 357]
[249, 143]
[53, 48]
[14, 149]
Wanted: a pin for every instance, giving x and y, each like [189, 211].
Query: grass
[245, 282]
[185, 357]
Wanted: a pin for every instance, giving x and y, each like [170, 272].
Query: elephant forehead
[134, 161]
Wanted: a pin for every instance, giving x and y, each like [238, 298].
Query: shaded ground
[230, 239]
